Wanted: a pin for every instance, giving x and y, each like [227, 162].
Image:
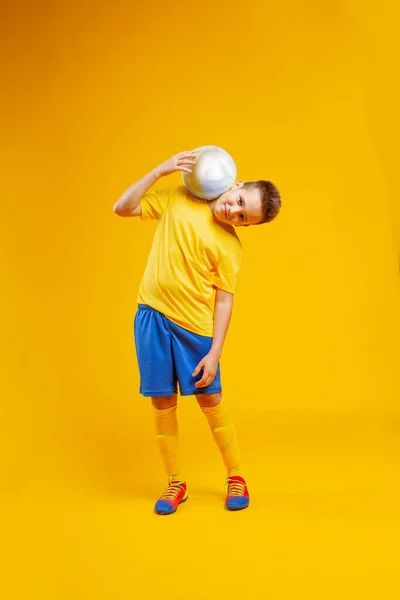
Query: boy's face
[239, 206]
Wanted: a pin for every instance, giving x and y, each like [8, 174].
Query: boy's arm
[128, 205]
[222, 316]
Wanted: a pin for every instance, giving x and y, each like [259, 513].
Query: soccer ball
[213, 174]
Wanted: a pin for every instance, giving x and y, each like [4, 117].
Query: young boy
[185, 304]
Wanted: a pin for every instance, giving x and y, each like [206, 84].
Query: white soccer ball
[213, 174]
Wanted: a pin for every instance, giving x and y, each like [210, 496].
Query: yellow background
[95, 95]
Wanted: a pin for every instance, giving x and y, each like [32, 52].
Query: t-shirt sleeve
[154, 204]
[225, 274]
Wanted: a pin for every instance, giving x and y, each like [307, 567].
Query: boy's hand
[178, 162]
[209, 365]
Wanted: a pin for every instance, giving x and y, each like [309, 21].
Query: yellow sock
[167, 441]
[224, 434]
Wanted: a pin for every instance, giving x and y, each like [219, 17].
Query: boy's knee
[208, 400]
[163, 402]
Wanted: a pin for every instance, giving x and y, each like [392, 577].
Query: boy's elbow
[119, 211]
[123, 211]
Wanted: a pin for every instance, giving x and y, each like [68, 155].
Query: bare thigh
[209, 400]
[164, 402]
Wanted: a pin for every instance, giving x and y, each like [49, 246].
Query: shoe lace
[235, 488]
[173, 490]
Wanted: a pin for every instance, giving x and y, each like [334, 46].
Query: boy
[185, 304]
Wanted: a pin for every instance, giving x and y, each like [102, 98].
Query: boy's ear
[237, 184]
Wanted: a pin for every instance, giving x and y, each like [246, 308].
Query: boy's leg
[167, 434]
[224, 434]
[167, 442]
[223, 430]
[158, 381]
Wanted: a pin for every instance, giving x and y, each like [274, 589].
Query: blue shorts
[168, 354]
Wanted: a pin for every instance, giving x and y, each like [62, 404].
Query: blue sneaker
[174, 495]
[237, 497]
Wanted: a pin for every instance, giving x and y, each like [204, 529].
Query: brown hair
[270, 199]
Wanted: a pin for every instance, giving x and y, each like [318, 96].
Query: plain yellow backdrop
[95, 95]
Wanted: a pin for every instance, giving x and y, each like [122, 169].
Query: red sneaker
[237, 496]
[174, 495]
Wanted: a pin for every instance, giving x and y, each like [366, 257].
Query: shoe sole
[238, 508]
[172, 512]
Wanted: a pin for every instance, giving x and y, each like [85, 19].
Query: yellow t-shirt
[191, 255]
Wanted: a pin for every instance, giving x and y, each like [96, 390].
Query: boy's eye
[242, 217]
[240, 202]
